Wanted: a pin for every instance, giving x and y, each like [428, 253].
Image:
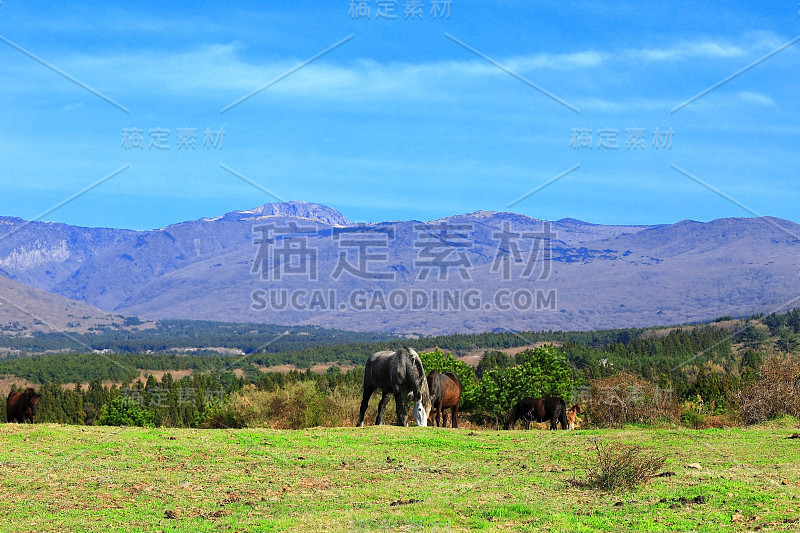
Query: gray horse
[400, 373]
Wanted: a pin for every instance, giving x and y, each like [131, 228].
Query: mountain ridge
[597, 276]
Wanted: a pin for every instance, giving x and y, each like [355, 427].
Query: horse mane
[422, 381]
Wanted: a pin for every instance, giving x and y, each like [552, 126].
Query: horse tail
[367, 382]
[563, 416]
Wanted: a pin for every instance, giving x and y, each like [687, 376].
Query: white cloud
[749, 97]
[689, 50]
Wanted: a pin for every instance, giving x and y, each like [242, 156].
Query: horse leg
[454, 416]
[401, 406]
[440, 415]
[557, 415]
[364, 404]
[382, 408]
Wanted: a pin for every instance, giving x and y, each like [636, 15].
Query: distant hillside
[410, 277]
[25, 310]
[187, 337]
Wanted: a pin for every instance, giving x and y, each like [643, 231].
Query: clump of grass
[621, 467]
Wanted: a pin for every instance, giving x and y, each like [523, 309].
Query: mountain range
[299, 263]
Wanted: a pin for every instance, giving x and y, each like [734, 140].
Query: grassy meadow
[73, 478]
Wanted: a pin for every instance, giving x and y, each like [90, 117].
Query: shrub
[621, 467]
[625, 398]
[775, 392]
[124, 412]
[294, 406]
[692, 418]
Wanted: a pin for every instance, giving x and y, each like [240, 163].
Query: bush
[124, 412]
[692, 418]
[294, 406]
[621, 467]
[775, 392]
[626, 398]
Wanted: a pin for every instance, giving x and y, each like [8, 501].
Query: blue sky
[400, 121]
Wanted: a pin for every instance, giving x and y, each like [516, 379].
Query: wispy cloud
[689, 50]
[757, 99]
[223, 70]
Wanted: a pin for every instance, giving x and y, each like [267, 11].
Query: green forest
[700, 371]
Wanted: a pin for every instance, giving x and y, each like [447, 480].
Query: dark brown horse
[21, 406]
[528, 409]
[445, 389]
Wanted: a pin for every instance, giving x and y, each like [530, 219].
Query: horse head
[422, 397]
[509, 424]
[33, 401]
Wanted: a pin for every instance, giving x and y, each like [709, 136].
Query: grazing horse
[572, 413]
[401, 374]
[21, 406]
[550, 409]
[445, 389]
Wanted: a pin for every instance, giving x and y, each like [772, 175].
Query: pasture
[70, 478]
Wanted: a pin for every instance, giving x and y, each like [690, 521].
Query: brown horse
[21, 406]
[528, 409]
[445, 389]
[572, 413]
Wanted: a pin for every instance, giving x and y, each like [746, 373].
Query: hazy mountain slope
[24, 310]
[599, 276]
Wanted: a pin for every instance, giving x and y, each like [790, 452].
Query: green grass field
[70, 478]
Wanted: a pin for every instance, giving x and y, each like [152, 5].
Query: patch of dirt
[319, 368]
[404, 502]
[473, 357]
[7, 381]
[677, 502]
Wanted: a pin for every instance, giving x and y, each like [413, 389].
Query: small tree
[776, 390]
[491, 360]
[626, 398]
[541, 372]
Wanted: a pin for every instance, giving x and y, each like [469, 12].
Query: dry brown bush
[626, 398]
[621, 467]
[775, 392]
[296, 406]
